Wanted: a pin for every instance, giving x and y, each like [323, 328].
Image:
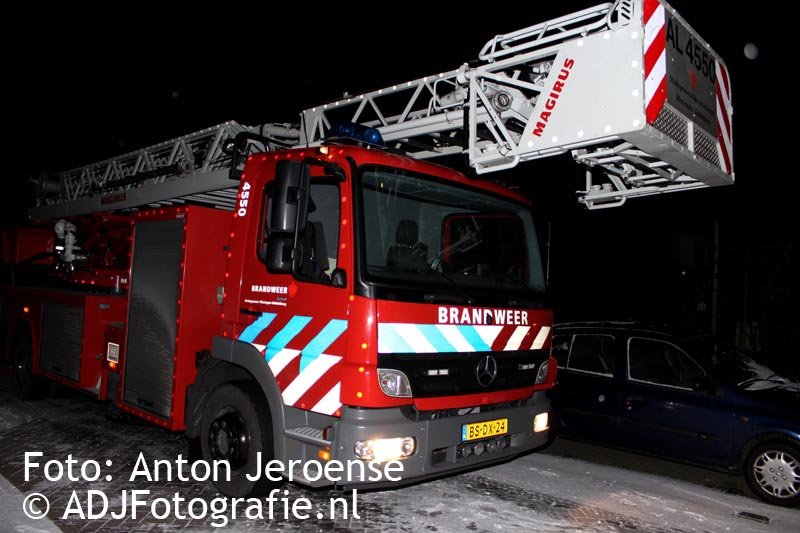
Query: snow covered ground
[547, 492]
[569, 487]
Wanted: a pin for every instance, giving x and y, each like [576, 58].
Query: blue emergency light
[356, 132]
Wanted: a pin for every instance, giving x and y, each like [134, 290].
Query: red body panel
[99, 311]
[19, 244]
[205, 239]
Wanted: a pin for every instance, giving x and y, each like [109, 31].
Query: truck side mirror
[240, 148]
[290, 197]
[289, 213]
[339, 278]
[279, 253]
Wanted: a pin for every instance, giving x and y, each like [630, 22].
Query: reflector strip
[655, 58]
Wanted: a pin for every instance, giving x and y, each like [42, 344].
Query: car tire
[236, 427]
[27, 385]
[772, 471]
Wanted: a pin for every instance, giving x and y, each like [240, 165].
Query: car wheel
[236, 427]
[27, 385]
[772, 471]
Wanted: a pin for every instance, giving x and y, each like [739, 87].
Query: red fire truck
[320, 291]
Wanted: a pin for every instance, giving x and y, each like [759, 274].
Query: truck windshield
[420, 231]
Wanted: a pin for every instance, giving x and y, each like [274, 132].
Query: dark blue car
[680, 397]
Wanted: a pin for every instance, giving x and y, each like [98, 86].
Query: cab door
[298, 318]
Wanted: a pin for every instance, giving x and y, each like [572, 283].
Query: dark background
[83, 86]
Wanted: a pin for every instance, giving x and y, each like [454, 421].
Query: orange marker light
[361, 369]
[363, 345]
[325, 455]
[26, 309]
[359, 394]
[112, 365]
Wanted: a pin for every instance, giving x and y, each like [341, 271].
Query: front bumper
[438, 440]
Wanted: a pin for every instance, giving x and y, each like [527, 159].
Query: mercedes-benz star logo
[486, 370]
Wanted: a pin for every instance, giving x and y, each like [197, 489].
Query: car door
[588, 395]
[669, 405]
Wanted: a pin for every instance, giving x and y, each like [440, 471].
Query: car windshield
[421, 231]
[737, 367]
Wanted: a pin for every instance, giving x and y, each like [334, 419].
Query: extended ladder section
[192, 169]
[628, 88]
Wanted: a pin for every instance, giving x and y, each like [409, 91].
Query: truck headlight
[382, 450]
[541, 375]
[394, 383]
[540, 423]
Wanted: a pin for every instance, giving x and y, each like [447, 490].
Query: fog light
[382, 450]
[394, 383]
[466, 451]
[541, 375]
[540, 423]
[491, 446]
[479, 448]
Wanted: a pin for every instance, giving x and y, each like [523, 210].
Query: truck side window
[323, 222]
[319, 239]
[592, 353]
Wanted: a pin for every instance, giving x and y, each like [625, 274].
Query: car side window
[592, 353]
[560, 349]
[661, 363]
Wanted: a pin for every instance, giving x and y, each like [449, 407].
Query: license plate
[482, 430]
[112, 352]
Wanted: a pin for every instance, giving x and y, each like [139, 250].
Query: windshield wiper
[772, 378]
[469, 299]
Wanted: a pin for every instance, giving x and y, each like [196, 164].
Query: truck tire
[236, 427]
[772, 471]
[27, 385]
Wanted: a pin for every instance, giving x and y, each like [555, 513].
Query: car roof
[629, 326]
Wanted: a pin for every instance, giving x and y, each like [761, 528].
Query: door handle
[632, 400]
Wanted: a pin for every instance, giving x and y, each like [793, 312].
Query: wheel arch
[232, 361]
[765, 436]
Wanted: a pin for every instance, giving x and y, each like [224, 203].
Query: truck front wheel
[236, 427]
[27, 385]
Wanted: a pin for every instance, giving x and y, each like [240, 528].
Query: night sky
[82, 90]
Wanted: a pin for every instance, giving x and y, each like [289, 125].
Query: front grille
[437, 414]
[461, 371]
